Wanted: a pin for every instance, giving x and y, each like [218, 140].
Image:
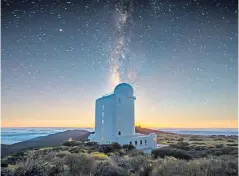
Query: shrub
[230, 140]
[91, 144]
[116, 146]
[218, 139]
[128, 147]
[198, 148]
[121, 161]
[3, 165]
[75, 149]
[38, 164]
[199, 167]
[105, 148]
[180, 145]
[210, 146]
[179, 139]
[107, 168]
[181, 154]
[234, 144]
[70, 143]
[223, 151]
[137, 162]
[7, 171]
[98, 156]
[199, 143]
[135, 152]
[195, 138]
[63, 154]
[79, 164]
[219, 145]
[141, 165]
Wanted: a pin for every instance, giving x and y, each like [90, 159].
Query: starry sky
[180, 56]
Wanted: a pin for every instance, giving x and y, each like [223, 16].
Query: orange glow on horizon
[77, 124]
[65, 114]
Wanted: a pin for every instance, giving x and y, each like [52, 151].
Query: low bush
[230, 140]
[106, 148]
[75, 149]
[199, 167]
[198, 143]
[199, 147]
[181, 145]
[71, 143]
[179, 139]
[210, 146]
[116, 146]
[177, 153]
[233, 144]
[137, 162]
[91, 144]
[128, 147]
[79, 164]
[63, 154]
[218, 139]
[195, 138]
[98, 156]
[39, 165]
[7, 172]
[107, 168]
[223, 151]
[219, 145]
[135, 152]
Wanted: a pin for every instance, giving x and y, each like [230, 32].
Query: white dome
[124, 89]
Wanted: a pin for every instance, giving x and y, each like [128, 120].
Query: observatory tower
[115, 121]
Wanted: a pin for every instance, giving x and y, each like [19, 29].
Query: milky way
[120, 52]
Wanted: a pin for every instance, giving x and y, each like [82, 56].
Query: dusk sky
[180, 56]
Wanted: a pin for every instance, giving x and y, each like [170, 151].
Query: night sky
[180, 56]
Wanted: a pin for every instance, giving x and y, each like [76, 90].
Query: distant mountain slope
[58, 139]
[148, 131]
[45, 141]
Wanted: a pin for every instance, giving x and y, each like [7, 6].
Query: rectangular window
[135, 142]
[103, 107]
[102, 122]
[130, 143]
[141, 142]
[103, 114]
[145, 142]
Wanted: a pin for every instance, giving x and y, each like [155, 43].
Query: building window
[130, 143]
[103, 114]
[119, 133]
[145, 142]
[135, 142]
[103, 107]
[141, 142]
[119, 100]
[102, 122]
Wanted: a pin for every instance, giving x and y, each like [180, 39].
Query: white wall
[125, 115]
[104, 119]
[141, 142]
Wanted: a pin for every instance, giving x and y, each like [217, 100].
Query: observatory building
[115, 122]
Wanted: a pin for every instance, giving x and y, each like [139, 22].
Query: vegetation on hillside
[76, 158]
